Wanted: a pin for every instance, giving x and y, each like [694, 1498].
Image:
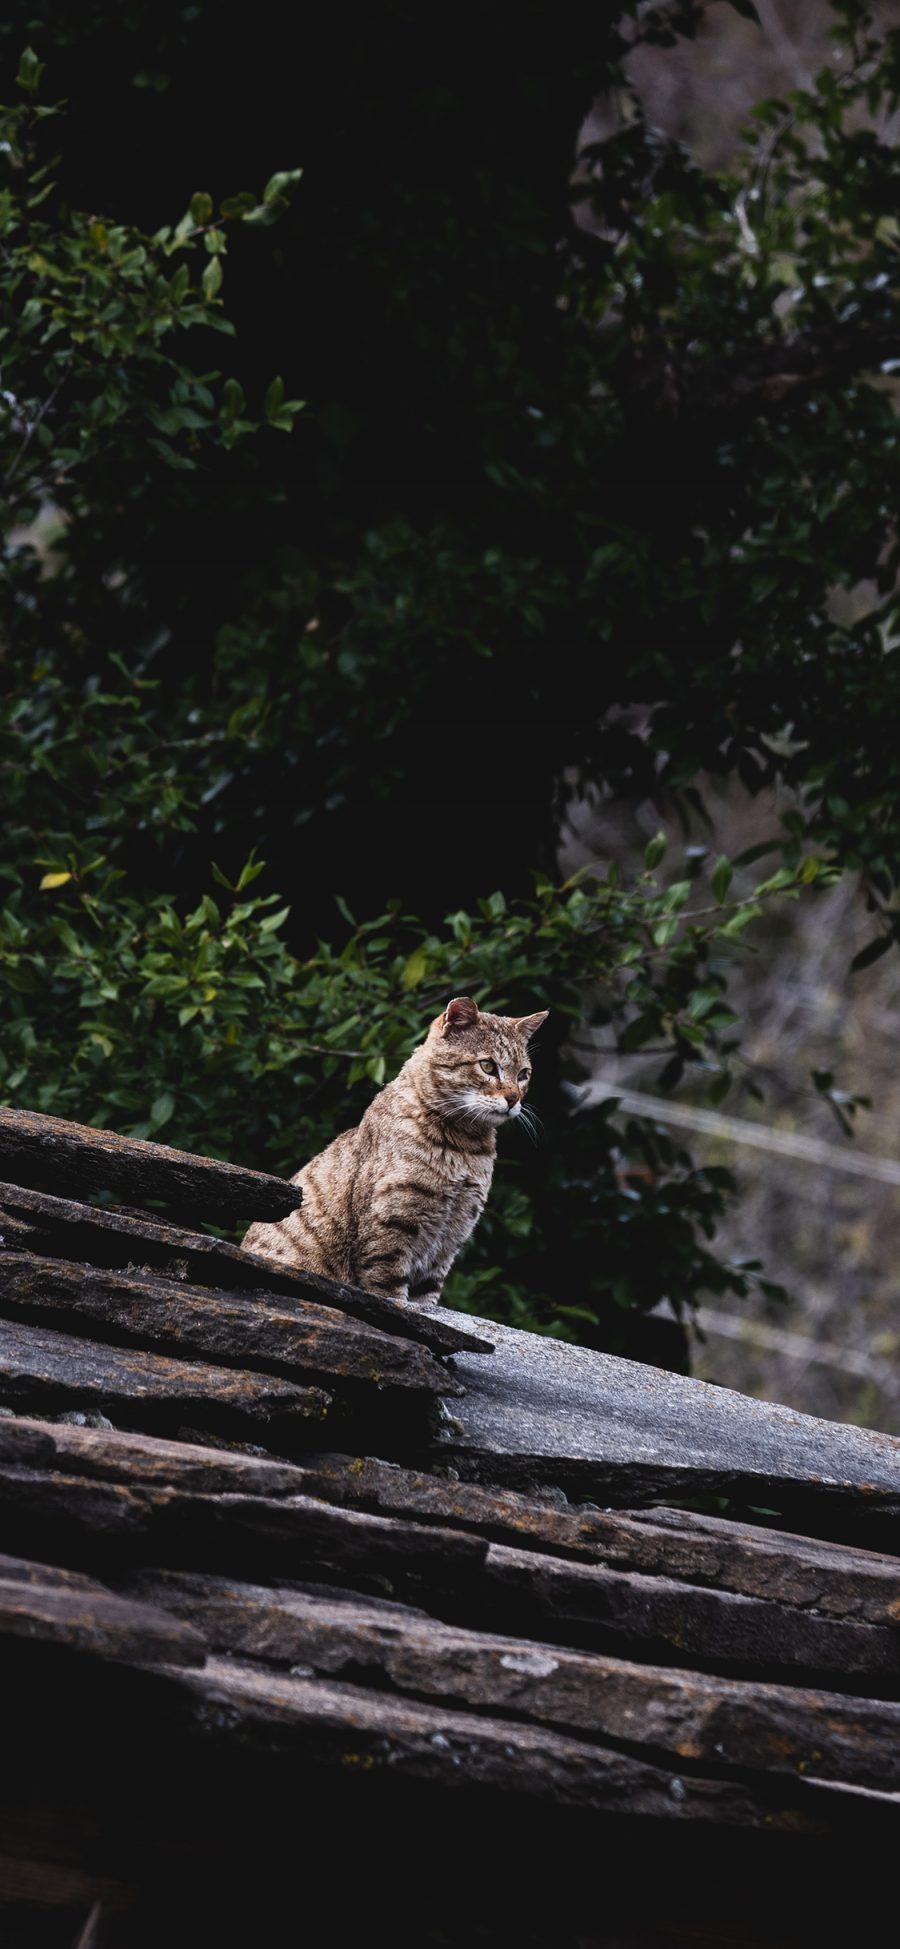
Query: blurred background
[830, 1235]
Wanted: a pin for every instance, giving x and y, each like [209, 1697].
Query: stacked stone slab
[264, 1528]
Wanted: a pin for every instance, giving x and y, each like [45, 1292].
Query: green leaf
[273, 399]
[739, 921]
[703, 1000]
[642, 1029]
[201, 207]
[30, 70]
[180, 461]
[237, 206]
[211, 281]
[415, 968]
[250, 871]
[654, 852]
[162, 1109]
[872, 952]
[277, 184]
[462, 925]
[752, 853]
[718, 1089]
[233, 401]
[722, 876]
[284, 420]
[777, 882]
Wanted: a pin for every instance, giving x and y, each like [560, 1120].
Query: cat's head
[479, 1064]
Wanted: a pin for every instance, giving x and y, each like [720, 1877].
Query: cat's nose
[512, 1101]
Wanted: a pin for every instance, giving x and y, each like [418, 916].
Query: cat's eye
[488, 1065]
[523, 1075]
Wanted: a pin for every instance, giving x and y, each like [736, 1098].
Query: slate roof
[297, 1545]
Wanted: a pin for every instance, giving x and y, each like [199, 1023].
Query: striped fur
[388, 1205]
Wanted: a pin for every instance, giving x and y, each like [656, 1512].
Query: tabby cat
[388, 1205]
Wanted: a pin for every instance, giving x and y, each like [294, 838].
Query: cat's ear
[461, 1013]
[528, 1025]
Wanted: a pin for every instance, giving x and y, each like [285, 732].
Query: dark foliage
[567, 502]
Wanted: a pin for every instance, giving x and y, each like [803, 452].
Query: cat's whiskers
[530, 1122]
[466, 1109]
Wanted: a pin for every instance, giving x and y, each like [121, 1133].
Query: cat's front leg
[427, 1288]
[386, 1266]
[426, 1292]
[409, 1256]
[380, 1273]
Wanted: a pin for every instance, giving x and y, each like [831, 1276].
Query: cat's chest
[461, 1206]
[468, 1188]
[446, 1218]
[452, 1191]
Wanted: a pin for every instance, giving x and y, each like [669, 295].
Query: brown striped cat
[388, 1205]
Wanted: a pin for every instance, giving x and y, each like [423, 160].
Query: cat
[388, 1205]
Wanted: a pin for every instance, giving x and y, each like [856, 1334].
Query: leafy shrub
[205, 1029]
[674, 443]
